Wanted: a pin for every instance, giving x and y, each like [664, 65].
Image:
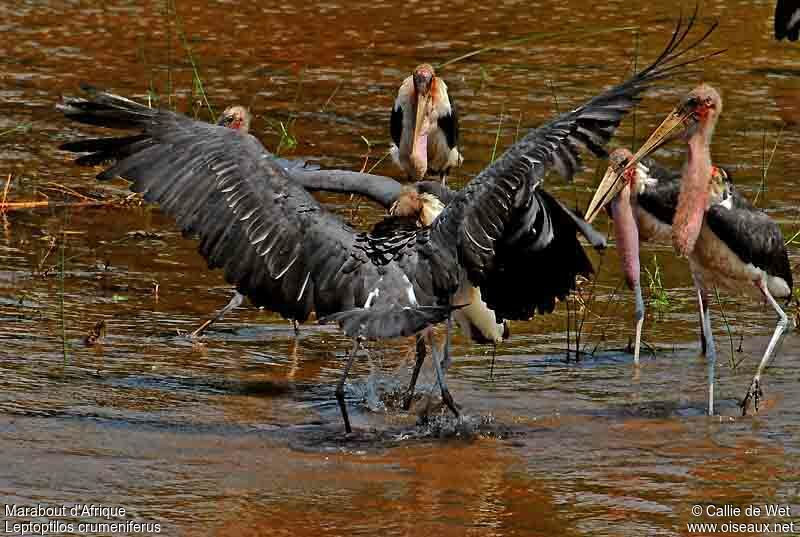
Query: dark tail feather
[106, 110]
[105, 150]
[388, 321]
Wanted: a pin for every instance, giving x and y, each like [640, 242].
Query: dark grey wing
[660, 199]
[296, 164]
[752, 235]
[499, 212]
[378, 188]
[787, 20]
[436, 188]
[661, 173]
[273, 240]
[539, 267]
[449, 124]
[396, 124]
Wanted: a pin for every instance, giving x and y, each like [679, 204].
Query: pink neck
[693, 198]
[419, 155]
[626, 231]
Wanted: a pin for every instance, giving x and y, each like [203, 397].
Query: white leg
[639, 315]
[754, 391]
[711, 351]
[702, 304]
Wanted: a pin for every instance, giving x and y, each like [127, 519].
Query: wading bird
[642, 211]
[787, 20]
[285, 252]
[424, 127]
[729, 245]
[422, 202]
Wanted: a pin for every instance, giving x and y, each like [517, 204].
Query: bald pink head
[236, 117]
[618, 159]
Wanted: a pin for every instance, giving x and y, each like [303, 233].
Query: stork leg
[446, 358]
[443, 177]
[446, 397]
[340, 386]
[754, 392]
[421, 352]
[711, 351]
[235, 302]
[639, 316]
[702, 305]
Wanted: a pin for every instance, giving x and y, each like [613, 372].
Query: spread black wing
[273, 240]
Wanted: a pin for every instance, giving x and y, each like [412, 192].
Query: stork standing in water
[729, 243]
[787, 20]
[424, 127]
[643, 209]
[284, 252]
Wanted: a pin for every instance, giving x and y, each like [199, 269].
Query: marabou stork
[424, 127]
[787, 20]
[422, 202]
[642, 211]
[285, 252]
[729, 244]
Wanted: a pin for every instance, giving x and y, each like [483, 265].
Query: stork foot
[755, 393]
[447, 399]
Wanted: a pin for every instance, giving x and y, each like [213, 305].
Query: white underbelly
[476, 315]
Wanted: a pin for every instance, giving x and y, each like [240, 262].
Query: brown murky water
[240, 435]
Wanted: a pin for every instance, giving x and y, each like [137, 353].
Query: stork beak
[609, 187]
[612, 182]
[419, 117]
[664, 133]
[422, 101]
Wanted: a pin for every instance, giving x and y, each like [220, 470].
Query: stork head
[618, 175]
[423, 208]
[235, 117]
[697, 113]
[721, 187]
[423, 79]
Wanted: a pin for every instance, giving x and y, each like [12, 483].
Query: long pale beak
[422, 101]
[665, 132]
[609, 187]
[612, 182]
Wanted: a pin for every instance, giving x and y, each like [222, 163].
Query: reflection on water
[239, 434]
